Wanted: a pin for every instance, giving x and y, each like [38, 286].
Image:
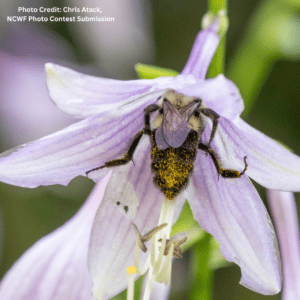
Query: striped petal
[232, 211]
[203, 51]
[219, 94]
[55, 267]
[269, 163]
[284, 212]
[59, 157]
[83, 96]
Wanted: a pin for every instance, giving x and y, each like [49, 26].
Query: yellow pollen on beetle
[172, 167]
[131, 270]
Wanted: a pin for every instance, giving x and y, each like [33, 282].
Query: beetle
[175, 137]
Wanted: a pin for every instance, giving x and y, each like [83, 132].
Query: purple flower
[113, 113]
[284, 212]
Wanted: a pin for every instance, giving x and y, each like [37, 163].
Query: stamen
[130, 290]
[166, 216]
[136, 260]
[178, 239]
[165, 271]
[152, 232]
[153, 251]
[157, 265]
[159, 262]
[177, 255]
[139, 238]
[149, 283]
[146, 237]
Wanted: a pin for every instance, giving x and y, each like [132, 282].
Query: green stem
[202, 279]
[217, 65]
[249, 70]
[260, 48]
[215, 5]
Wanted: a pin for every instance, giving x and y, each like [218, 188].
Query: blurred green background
[28, 214]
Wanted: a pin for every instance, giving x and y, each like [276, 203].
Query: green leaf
[151, 72]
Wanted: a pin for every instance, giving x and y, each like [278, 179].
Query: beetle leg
[214, 116]
[128, 156]
[147, 112]
[226, 173]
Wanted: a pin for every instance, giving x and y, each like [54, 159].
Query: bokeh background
[263, 58]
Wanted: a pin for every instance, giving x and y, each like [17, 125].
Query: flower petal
[220, 94]
[232, 211]
[269, 163]
[88, 144]
[284, 212]
[55, 267]
[203, 51]
[83, 96]
[113, 238]
[59, 157]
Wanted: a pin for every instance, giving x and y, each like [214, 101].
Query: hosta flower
[113, 114]
[284, 212]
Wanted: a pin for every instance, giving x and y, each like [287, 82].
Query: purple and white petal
[269, 163]
[56, 267]
[232, 211]
[220, 94]
[59, 157]
[130, 197]
[284, 212]
[83, 95]
[203, 51]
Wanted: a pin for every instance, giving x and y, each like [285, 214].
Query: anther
[146, 237]
[177, 240]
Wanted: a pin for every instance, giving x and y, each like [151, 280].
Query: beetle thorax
[178, 101]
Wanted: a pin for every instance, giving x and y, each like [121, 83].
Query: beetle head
[175, 127]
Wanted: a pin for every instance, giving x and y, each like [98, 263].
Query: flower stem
[202, 279]
[266, 40]
[216, 5]
[217, 66]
